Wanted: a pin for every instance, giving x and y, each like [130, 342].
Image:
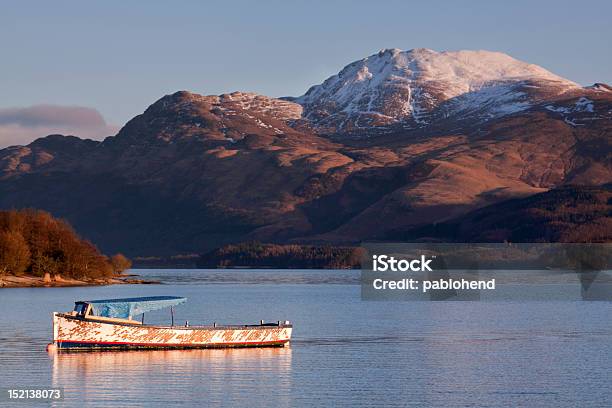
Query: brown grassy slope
[565, 214]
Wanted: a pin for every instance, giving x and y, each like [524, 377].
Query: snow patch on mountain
[491, 101]
[583, 104]
[277, 108]
[582, 110]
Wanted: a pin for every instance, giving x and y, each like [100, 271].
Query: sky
[86, 68]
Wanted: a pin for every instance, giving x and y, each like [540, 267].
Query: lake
[344, 352]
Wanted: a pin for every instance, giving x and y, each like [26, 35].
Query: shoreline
[29, 281]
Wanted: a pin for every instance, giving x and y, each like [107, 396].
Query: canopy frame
[126, 308]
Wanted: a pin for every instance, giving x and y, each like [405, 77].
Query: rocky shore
[28, 281]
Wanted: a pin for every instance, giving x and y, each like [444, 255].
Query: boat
[110, 324]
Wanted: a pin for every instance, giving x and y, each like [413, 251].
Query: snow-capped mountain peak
[410, 86]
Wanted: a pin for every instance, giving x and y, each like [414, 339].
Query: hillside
[565, 214]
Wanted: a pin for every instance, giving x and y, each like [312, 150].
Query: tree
[34, 242]
[14, 253]
[120, 263]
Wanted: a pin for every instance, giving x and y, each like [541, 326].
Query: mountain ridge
[193, 172]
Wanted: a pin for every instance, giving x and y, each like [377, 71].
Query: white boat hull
[71, 332]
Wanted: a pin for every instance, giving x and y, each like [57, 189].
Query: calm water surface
[345, 352]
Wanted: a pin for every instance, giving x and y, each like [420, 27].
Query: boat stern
[55, 327]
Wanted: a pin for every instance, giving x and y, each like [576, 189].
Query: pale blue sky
[120, 56]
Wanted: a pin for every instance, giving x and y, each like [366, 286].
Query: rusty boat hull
[78, 333]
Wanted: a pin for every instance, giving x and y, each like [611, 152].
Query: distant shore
[28, 281]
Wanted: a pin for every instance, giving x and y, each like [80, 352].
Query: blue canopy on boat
[128, 307]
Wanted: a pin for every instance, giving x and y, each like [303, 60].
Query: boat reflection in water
[255, 377]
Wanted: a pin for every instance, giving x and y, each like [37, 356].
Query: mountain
[441, 135]
[420, 87]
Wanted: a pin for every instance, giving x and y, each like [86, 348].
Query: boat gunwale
[265, 326]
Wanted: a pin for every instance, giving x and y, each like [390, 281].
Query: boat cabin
[123, 310]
